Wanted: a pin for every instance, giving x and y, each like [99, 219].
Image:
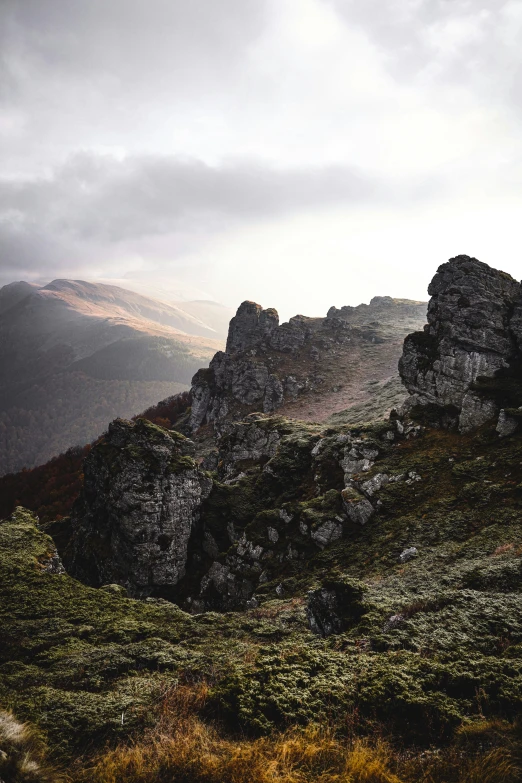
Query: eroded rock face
[141, 498]
[241, 378]
[472, 333]
[250, 326]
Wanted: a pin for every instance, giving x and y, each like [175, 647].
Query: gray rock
[327, 533]
[250, 326]
[358, 508]
[408, 554]
[54, 564]
[474, 319]
[506, 424]
[140, 502]
[375, 483]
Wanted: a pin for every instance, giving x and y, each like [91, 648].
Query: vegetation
[425, 683]
[50, 490]
[68, 409]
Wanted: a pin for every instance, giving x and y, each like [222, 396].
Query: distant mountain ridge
[75, 354]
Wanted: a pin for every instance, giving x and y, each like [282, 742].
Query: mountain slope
[353, 592]
[74, 354]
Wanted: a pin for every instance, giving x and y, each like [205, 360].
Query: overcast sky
[301, 153]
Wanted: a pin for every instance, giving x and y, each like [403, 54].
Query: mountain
[191, 300]
[308, 368]
[13, 293]
[74, 354]
[279, 599]
[212, 313]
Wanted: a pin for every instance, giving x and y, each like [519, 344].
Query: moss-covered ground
[436, 652]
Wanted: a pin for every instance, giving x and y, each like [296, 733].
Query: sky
[300, 153]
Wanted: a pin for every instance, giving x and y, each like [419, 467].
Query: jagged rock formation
[307, 368]
[141, 499]
[250, 326]
[464, 365]
[284, 491]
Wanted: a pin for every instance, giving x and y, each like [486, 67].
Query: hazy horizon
[300, 153]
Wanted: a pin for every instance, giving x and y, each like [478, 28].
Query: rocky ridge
[365, 575]
[307, 368]
[281, 490]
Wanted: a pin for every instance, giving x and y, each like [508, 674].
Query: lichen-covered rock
[267, 366]
[327, 533]
[141, 499]
[470, 335]
[358, 507]
[241, 378]
[507, 424]
[408, 554]
[249, 441]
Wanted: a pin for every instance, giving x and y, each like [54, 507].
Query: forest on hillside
[69, 409]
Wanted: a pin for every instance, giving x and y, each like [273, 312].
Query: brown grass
[501, 550]
[184, 749]
[22, 754]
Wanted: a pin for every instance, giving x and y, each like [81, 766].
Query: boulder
[471, 335]
[141, 499]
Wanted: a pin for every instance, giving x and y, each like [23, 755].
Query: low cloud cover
[298, 152]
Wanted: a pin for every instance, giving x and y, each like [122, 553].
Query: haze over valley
[74, 355]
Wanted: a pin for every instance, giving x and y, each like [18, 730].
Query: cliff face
[307, 368]
[141, 499]
[462, 363]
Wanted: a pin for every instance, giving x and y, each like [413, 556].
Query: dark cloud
[98, 197]
[95, 201]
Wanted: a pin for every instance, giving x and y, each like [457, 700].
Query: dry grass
[22, 754]
[184, 749]
[501, 550]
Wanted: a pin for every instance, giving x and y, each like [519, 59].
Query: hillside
[310, 601]
[74, 354]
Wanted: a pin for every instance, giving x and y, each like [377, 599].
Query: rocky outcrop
[250, 326]
[473, 340]
[141, 500]
[242, 378]
[269, 366]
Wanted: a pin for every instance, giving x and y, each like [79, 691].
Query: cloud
[95, 205]
[445, 42]
[188, 138]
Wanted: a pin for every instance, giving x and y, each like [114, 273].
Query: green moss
[73, 659]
